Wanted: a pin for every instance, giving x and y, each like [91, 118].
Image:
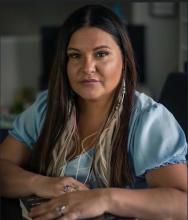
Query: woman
[94, 145]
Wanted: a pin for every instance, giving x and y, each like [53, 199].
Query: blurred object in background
[186, 67]
[20, 60]
[183, 37]
[22, 100]
[174, 97]
[6, 120]
[49, 35]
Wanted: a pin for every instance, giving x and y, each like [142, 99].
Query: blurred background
[28, 31]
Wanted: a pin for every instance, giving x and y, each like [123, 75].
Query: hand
[74, 205]
[50, 187]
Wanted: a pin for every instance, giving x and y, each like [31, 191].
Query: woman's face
[94, 64]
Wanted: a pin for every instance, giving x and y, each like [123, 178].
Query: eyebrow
[96, 48]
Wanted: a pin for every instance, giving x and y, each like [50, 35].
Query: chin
[89, 97]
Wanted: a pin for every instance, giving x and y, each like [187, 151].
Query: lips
[89, 81]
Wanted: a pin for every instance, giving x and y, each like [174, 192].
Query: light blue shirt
[155, 138]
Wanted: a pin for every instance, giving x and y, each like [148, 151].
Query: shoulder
[148, 113]
[27, 126]
[38, 109]
[155, 137]
[41, 103]
[41, 100]
[144, 110]
[142, 102]
[147, 110]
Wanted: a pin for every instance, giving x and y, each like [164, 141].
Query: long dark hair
[59, 92]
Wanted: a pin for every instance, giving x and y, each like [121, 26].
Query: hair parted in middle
[111, 171]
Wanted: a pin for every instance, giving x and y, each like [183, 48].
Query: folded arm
[17, 182]
[165, 199]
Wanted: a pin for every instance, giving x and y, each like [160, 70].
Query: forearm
[15, 181]
[156, 203]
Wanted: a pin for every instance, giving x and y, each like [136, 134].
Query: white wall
[162, 45]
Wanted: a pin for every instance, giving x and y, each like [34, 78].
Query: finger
[79, 186]
[68, 184]
[73, 187]
[69, 216]
[41, 209]
[50, 215]
[71, 181]
[83, 187]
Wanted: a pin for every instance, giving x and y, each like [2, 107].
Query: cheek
[113, 71]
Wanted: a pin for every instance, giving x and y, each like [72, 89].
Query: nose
[88, 65]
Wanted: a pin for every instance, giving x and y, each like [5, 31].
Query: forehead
[91, 37]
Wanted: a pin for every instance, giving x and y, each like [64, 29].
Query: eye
[74, 55]
[102, 53]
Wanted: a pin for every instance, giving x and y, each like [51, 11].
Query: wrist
[106, 195]
[34, 183]
[115, 201]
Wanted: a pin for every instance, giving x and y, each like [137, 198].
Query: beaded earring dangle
[121, 95]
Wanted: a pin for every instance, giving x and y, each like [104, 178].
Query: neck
[92, 115]
[94, 107]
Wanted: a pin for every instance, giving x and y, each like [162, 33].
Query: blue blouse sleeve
[157, 140]
[26, 127]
